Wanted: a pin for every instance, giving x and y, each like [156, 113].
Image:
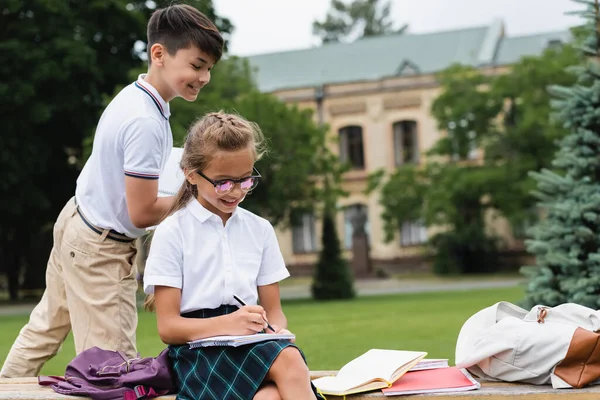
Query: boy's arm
[143, 147]
[143, 204]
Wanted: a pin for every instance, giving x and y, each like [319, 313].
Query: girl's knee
[267, 392]
[291, 361]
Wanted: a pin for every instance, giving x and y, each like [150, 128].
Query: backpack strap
[141, 392]
[50, 380]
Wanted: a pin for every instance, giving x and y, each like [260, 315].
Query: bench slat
[28, 389]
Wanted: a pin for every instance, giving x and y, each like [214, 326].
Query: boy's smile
[183, 74]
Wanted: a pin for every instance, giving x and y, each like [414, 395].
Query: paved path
[394, 286]
[369, 287]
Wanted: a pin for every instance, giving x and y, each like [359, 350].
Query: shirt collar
[203, 215]
[159, 102]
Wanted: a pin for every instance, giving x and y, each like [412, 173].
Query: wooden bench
[28, 389]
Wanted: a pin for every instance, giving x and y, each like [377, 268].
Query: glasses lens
[247, 184]
[224, 186]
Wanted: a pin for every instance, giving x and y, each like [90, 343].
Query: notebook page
[228, 340]
[430, 363]
[334, 385]
[377, 363]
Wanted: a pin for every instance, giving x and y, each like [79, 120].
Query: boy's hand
[247, 320]
[282, 331]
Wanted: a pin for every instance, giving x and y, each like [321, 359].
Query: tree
[332, 278]
[505, 118]
[566, 243]
[60, 61]
[447, 195]
[59, 58]
[361, 18]
[528, 136]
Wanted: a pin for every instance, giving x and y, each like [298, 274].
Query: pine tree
[332, 279]
[566, 242]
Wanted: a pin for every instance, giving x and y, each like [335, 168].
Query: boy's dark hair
[179, 26]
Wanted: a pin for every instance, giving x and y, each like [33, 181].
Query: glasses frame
[235, 182]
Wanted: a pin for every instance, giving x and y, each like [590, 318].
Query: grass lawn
[333, 333]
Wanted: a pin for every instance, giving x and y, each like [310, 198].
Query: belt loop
[105, 233]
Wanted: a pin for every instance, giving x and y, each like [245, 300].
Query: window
[413, 233]
[406, 148]
[303, 234]
[350, 213]
[351, 146]
[407, 68]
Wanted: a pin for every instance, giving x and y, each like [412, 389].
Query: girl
[208, 251]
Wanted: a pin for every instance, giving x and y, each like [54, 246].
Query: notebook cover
[432, 380]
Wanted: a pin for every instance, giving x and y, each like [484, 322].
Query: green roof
[384, 56]
[511, 49]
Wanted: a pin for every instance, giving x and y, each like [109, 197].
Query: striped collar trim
[158, 101]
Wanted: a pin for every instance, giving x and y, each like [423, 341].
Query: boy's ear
[157, 54]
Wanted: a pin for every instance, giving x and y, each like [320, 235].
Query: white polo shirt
[191, 250]
[133, 138]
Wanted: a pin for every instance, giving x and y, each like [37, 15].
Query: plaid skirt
[223, 373]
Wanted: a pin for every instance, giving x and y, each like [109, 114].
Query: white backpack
[547, 344]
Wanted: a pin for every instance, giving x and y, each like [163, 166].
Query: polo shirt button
[72, 254]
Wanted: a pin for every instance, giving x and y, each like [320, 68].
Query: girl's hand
[247, 320]
[282, 331]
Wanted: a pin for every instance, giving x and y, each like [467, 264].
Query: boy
[91, 276]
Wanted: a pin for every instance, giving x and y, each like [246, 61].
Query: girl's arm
[272, 270]
[268, 296]
[175, 329]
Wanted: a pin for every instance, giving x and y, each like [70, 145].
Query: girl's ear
[191, 176]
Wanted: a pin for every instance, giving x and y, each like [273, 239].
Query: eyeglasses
[224, 186]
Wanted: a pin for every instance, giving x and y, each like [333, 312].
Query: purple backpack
[110, 375]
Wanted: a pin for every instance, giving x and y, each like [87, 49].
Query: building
[375, 94]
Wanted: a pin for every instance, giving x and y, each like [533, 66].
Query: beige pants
[90, 288]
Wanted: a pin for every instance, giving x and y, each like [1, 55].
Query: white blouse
[191, 250]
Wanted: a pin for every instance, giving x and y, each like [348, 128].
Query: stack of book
[396, 372]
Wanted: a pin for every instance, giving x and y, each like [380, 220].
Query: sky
[267, 26]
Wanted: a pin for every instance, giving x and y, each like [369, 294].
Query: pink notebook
[451, 379]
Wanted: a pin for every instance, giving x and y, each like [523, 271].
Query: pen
[243, 304]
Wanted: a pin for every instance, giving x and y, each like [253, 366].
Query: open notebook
[375, 369]
[236, 341]
[172, 177]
